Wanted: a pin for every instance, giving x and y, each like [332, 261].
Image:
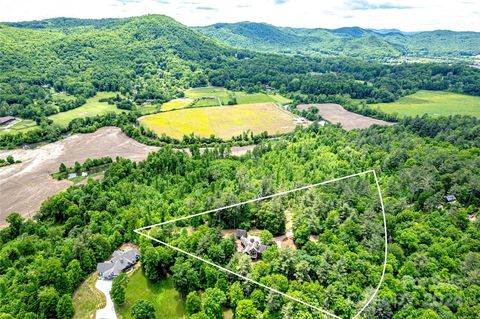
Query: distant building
[252, 247]
[121, 260]
[450, 198]
[6, 119]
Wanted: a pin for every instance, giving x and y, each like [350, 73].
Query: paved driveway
[109, 311]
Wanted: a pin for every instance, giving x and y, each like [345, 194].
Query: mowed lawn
[221, 94]
[167, 301]
[434, 103]
[91, 108]
[223, 121]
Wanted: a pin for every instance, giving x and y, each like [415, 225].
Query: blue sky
[407, 15]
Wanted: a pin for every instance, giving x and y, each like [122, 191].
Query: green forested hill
[156, 58]
[350, 41]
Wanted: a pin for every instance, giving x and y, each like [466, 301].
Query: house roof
[450, 198]
[120, 261]
[241, 233]
[6, 119]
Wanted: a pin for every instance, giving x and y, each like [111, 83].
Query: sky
[406, 15]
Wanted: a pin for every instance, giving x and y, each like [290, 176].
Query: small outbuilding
[450, 198]
[6, 119]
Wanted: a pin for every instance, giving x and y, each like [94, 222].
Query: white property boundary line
[138, 231]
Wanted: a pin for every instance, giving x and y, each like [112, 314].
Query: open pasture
[17, 126]
[433, 103]
[175, 104]
[216, 96]
[223, 122]
[92, 107]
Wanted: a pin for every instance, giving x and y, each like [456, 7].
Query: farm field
[335, 113]
[221, 95]
[175, 104]
[223, 122]
[27, 184]
[167, 301]
[91, 108]
[17, 126]
[433, 103]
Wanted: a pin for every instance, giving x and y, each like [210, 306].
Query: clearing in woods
[433, 103]
[91, 108]
[224, 122]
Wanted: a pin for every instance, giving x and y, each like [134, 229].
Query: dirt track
[24, 186]
[335, 113]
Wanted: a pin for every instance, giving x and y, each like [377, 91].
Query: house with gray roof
[252, 246]
[121, 260]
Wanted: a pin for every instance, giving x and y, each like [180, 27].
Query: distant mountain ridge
[382, 44]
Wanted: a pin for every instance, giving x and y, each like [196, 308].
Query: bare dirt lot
[335, 113]
[24, 186]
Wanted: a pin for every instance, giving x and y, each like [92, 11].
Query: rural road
[109, 311]
[24, 186]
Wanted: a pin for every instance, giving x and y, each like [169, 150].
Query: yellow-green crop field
[223, 121]
[91, 108]
[433, 103]
[175, 104]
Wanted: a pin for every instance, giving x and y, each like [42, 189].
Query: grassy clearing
[167, 301]
[87, 299]
[175, 104]
[434, 103]
[19, 125]
[224, 121]
[221, 95]
[91, 108]
[62, 96]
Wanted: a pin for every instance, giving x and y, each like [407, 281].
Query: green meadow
[433, 103]
[91, 108]
[213, 96]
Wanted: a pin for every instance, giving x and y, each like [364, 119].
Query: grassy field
[175, 104]
[167, 301]
[433, 103]
[224, 121]
[19, 125]
[91, 108]
[87, 299]
[221, 95]
[62, 96]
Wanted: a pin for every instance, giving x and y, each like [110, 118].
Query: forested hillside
[353, 42]
[156, 58]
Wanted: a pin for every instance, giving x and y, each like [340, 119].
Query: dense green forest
[380, 45]
[434, 248]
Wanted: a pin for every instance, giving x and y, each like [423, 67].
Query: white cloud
[408, 15]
